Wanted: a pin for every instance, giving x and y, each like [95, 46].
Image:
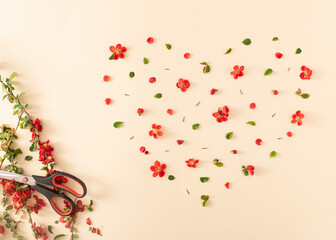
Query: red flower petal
[170, 111]
[187, 55]
[150, 40]
[289, 134]
[106, 78]
[252, 106]
[142, 149]
[108, 101]
[278, 55]
[152, 80]
[227, 185]
[258, 141]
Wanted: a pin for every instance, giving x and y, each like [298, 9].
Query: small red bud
[213, 91]
[275, 92]
[187, 55]
[142, 149]
[106, 78]
[150, 40]
[289, 134]
[227, 185]
[258, 141]
[278, 55]
[152, 79]
[108, 101]
[252, 106]
[140, 111]
[179, 142]
[170, 111]
[234, 151]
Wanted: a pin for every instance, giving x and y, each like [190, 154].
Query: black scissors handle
[51, 181]
[52, 198]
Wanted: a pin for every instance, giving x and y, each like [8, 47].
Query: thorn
[166, 69]
[241, 92]
[131, 137]
[273, 115]
[288, 69]
[198, 103]
[167, 150]
[183, 119]
[204, 148]
[127, 94]
[188, 191]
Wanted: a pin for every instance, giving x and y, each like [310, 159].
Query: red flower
[2, 229]
[170, 111]
[106, 78]
[186, 55]
[142, 149]
[38, 204]
[252, 106]
[275, 92]
[297, 118]
[306, 74]
[192, 162]
[108, 101]
[238, 71]
[156, 131]
[227, 185]
[278, 55]
[150, 40]
[117, 52]
[179, 142]
[222, 114]
[140, 111]
[183, 84]
[258, 141]
[158, 169]
[152, 80]
[213, 91]
[250, 168]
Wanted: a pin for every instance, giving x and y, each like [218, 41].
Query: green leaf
[19, 170]
[251, 123]
[131, 74]
[206, 69]
[17, 236]
[247, 41]
[171, 177]
[17, 151]
[220, 164]
[268, 71]
[50, 229]
[229, 135]
[228, 51]
[28, 158]
[59, 236]
[298, 93]
[204, 179]
[298, 51]
[56, 222]
[195, 126]
[305, 95]
[158, 95]
[168, 46]
[205, 199]
[13, 75]
[145, 60]
[273, 154]
[245, 172]
[117, 124]
[215, 161]
[275, 39]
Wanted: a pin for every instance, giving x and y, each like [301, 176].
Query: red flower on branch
[183, 84]
[192, 162]
[222, 114]
[237, 71]
[297, 118]
[155, 132]
[117, 52]
[38, 204]
[306, 73]
[158, 169]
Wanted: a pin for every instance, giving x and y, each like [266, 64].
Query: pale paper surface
[60, 50]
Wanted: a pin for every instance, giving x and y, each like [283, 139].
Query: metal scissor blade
[17, 177]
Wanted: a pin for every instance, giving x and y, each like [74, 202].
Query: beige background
[60, 50]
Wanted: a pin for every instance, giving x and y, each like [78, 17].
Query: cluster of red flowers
[19, 197]
[37, 125]
[222, 114]
[79, 207]
[45, 153]
[39, 203]
[38, 232]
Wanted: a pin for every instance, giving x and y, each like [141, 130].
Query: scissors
[37, 182]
